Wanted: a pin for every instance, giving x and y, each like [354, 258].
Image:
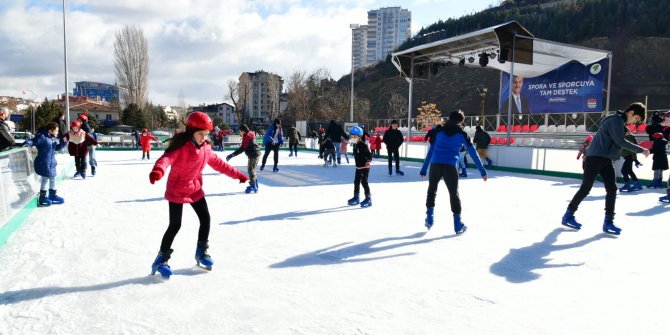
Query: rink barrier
[22, 158]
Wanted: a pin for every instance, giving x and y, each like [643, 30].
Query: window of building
[108, 117]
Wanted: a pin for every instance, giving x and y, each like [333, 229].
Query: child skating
[362, 158]
[47, 143]
[443, 159]
[187, 155]
[145, 140]
[78, 147]
[250, 148]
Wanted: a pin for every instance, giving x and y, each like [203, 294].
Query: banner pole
[609, 80]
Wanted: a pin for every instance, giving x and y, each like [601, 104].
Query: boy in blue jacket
[443, 159]
[46, 142]
[272, 140]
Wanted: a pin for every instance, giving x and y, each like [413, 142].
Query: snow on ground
[294, 259]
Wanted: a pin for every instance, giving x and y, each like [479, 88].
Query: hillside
[635, 31]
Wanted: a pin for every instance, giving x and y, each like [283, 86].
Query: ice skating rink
[295, 259]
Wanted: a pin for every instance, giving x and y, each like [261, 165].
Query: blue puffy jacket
[269, 135]
[448, 144]
[45, 162]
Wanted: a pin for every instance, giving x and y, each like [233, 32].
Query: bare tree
[397, 106]
[238, 92]
[131, 64]
[181, 103]
[298, 95]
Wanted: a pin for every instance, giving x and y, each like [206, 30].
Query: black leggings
[271, 147]
[594, 166]
[449, 174]
[362, 178]
[200, 208]
[393, 154]
[80, 163]
[627, 170]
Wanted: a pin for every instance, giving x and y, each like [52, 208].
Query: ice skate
[609, 227]
[354, 201]
[161, 265]
[459, 227]
[367, 202]
[202, 259]
[568, 220]
[429, 217]
[55, 199]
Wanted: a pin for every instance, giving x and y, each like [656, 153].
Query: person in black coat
[335, 132]
[432, 133]
[363, 157]
[660, 159]
[60, 121]
[482, 140]
[6, 138]
[393, 139]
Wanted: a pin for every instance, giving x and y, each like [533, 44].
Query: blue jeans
[337, 151]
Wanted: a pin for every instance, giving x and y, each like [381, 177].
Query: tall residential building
[359, 46]
[387, 28]
[95, 90]
[261, 91]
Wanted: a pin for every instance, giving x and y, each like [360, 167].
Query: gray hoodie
[611, 138]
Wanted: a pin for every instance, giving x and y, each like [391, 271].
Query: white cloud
[194, 46]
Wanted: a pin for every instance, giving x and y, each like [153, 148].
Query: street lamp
[353, 27]
[482, 94]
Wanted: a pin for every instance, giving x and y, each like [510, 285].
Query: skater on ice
[78, 147]
[47, 143]
[600, 156]
[393, 140]
[659, 159]
[272, 140]
[362, 158]
[250, 148]
[443, 159]
[187, 155]
[145, 141]
[629, 158]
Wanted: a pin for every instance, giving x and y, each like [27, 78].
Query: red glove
[155, 175]
[243, 178]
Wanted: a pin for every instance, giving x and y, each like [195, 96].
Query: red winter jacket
[145, 140]
[184, 184]
[376, 142]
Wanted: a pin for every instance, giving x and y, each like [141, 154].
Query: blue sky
[194, 46]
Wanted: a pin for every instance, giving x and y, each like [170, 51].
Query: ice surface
[295, 259]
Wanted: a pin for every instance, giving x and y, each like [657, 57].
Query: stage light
[483, 59]
[461, 62]
[449, 63]
[492, 55]
[471, 59]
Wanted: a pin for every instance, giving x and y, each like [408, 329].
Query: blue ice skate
[665, 198]
[354, 201]
[367, 202]
[42, 200]
[568, 220]
[202, 259]
[459, 227]
[161, 265]
[609, 227]
[275, 169]
[399, 173]
[625, 188]
[429, 217]
[55, 199]
[636, 187]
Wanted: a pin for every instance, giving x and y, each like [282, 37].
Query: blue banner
[571, 88]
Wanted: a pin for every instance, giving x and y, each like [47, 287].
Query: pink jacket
[184, 184]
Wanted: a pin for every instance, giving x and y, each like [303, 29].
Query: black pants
[393, 154]
[627, 170]
[449, 174]
[200, 208]
[594, 166]
[320, 150]
[293, 148]
[80, 163]
[361, 178]
[271, 147]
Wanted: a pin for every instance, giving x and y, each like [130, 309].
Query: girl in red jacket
[145, 140]
[188, 153]
[376, 143]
